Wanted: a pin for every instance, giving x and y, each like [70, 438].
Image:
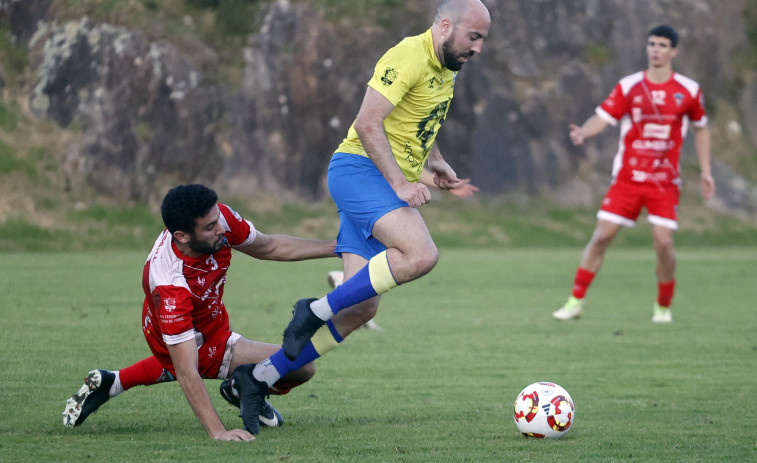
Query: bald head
[459, 30]
[455, 10]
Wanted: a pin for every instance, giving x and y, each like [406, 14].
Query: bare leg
[410, 249]
[662, 237]
[247, 351]
[594, 252]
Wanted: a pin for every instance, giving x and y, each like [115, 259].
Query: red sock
[282, 387]
[581, 282]
[143, 373]
[665, 293]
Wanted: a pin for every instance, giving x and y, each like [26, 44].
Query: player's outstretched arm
[184, 358]
[444, 177]
[287, 248]
[592, 127]
[462, 189]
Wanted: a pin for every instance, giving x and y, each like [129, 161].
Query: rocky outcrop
[152, 116]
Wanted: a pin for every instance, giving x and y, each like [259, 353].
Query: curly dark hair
[184, 204]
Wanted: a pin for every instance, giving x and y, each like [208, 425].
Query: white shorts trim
[615, 218]
[223, 372]
[663, 222]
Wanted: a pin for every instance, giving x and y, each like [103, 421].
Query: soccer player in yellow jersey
[373, 179]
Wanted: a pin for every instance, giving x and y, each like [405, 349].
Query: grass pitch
[436, 386]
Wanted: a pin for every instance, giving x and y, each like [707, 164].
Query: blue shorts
[362, 196]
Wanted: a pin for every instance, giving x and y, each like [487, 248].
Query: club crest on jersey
[389, 76]
[170, 304]
[679, 98]
[147, 324]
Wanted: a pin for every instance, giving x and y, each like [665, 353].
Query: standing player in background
[654, 108]
[373, 179]
[184, 319]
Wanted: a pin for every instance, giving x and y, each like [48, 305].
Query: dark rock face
[151, 117]
[147, 114]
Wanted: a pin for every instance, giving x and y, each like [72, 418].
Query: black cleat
[301, 328]
[229, 392]
[269, 416]
[90, 397]
[252, 395]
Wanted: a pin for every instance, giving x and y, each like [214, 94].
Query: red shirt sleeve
[616, 104]
[174, 312]
[696, 111]
[238, 230]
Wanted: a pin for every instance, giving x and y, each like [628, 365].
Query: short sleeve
[396, 73]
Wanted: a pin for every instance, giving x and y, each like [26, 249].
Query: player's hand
[463, 189]
[414, 194]
[444, 177]
[577, 135]
[235, 434]
[708, 186]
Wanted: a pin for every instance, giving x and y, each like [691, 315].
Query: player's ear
[446, 28]
[182, 236]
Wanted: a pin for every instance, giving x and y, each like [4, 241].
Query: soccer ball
[544, 410]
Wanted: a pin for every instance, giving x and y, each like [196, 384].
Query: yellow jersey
[411, 77]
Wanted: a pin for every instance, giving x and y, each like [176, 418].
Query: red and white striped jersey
[654, 119]
[183, 295]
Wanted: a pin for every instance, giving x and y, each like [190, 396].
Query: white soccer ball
[544, 410]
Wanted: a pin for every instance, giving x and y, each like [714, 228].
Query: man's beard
[450, 57]
[205, 248]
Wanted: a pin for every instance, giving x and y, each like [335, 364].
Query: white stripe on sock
[322, 309]
[116, 388]
[266, 372]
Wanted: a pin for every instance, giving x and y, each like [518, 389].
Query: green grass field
[436, 386]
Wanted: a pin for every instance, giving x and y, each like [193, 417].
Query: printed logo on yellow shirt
[389, 76]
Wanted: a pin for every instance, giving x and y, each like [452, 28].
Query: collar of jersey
[428, 37]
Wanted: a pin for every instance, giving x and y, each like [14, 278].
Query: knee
[426, 259]
[663, 245]
[308, 371]
[600, 241]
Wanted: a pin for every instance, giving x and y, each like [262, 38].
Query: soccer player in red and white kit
[184, 319]
[654, 108]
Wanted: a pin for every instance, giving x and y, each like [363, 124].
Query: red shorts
[624, 201]
[214, 359]
[213, 355]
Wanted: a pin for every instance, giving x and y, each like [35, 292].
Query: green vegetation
[382, 12]
[13, 59]
[437, 385]
[488, 224]
[10, 163]
[8, 117]
[597, 55]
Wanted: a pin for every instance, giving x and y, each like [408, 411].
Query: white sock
[116, 388]
[322, 309]
[266, 372]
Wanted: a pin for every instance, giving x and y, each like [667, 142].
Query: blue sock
[357, 289]
[373, 279]
[321, 342]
